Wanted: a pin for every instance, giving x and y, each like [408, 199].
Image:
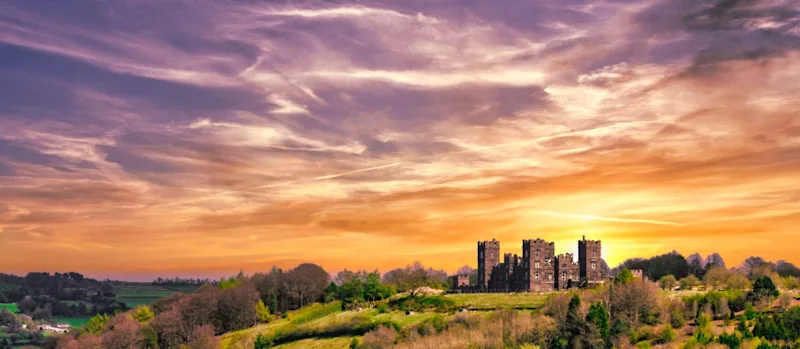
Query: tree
[624, 276]
[415, 276]
[716, 277]
[237, 308]
[634, 303]
[688, 282]
[763, 288]
[143, 314]
[262, 312]
[464, 270]
[168, 327]
[306, 283]
[784, 268]
[714, 260]
[199, 309]
[598, 317]
[27, 305]
[96, 324]
[696, 264]
[123, 333]
[7, 318]
[737, 281]
[668, 282]
[203, 338]
[149, 337]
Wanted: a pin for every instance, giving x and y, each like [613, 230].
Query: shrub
[731, 340]
[383, 308]
[354, 343]
[643, 345]
[262, 312]
[422, 303]
[262, 342]
[691, 343]
[667, 335]
[750, 311]
[143, 314]
[380, 338]
[677, 318]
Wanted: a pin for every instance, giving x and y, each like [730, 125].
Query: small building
[638, 274]
[52, 329]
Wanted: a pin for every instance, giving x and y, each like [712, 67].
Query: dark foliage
[659, 266]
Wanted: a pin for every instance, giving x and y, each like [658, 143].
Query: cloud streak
[205, 135]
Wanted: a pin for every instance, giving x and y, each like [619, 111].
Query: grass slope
[491, 301]
[73, 321]
[314, 343]
[316, 320]
[10, 306]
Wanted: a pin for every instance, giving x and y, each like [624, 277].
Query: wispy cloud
[207, 134]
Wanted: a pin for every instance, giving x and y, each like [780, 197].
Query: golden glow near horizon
[241, 136]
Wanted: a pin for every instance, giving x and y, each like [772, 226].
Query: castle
[539, 269]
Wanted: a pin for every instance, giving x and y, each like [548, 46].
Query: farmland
[135, 295]
[73, 321]
[10, 306]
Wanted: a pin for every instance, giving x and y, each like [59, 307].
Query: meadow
[135, 295]
[73, 321]
[10, 306]
[492, 301]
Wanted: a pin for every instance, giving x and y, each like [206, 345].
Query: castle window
[537, 253]
[563, 276]
[594, 254]
[594, 266]
[549, 276]
[537, 265]
[537, 276]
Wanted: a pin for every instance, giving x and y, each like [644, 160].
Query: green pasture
[491, 301]
[315, 343]
[10, 306]
[73, 321]
[136, 295]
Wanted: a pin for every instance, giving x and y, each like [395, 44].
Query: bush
[380, 338]
[262, 312]
[354, 343]
[750, 311]
[262, 342]
[667, 335]
[677, 318]
[731, 340]
[422, 303]
[643, 345]
[691, 343]
[383, 308]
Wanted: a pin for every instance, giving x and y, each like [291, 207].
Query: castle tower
[538, 260]
[566, 271]
[589, 255]
[488, 257]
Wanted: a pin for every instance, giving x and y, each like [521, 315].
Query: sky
[143, 138]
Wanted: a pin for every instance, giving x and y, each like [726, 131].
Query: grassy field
[491, 301]
[10, 306]
[316, 316]
[314, 343]
[73, 321]
[136, 295]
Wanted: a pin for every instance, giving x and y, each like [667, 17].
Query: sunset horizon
[143, 139]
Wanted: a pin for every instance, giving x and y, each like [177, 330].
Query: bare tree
[307, 283]
[124, 333]
[414, 276]
[464, 270]
[237, 307]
